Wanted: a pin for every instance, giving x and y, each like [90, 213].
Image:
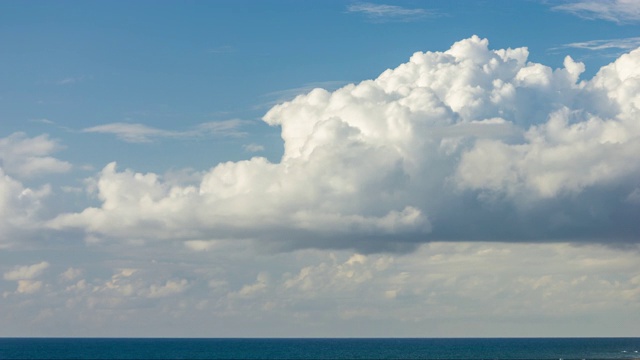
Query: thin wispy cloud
[43, 121]
[619, 11]
[133, 133]
[73, 80]
[386, 13]
[279, 96]
[140, 133]
[226, 128]
[608, 44]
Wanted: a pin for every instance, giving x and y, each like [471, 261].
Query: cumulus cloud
[22, 157]
[619, 11]
[140, 133]
[71, 274]
[27, 157]
[25, 277]
[20, 207]
[169, 288]
[466, 144]
[28, 272]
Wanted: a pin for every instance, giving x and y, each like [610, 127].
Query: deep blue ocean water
[512, 348]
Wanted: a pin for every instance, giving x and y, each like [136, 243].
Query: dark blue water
[70, 348]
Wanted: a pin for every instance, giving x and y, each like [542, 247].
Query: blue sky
[157, 169]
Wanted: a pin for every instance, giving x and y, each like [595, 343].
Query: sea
[357, 348]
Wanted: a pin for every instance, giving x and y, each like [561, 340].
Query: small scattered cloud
[619, 11]
[140, 133]
[389, 13]
[27, 157]
[252, 148]
[20, 209]
[169, 288]
[27, 272]
[71, 274]
[28, 286]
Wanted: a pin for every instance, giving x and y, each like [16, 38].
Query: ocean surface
[512, 348]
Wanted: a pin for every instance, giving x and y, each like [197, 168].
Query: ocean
[458, 348]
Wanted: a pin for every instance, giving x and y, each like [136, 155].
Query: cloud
[169, 288]
[253, 148]
[28, 286]
[20, 209]
[466, 144]
[619, 11]
[21, 206]
[226, 128]
[28, 157]
[139, 133]
[71, 274]
[27, 272]
[386, 13]
[43, 121]
[133, 133]
[596, 45]
[73, 80]
[289, 94]
[521, 289]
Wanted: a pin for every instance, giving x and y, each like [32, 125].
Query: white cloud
[28, 286]
[279, 96]
[169, 288]
[27, 272]
[596, 45]
[619, 11]
[384, 13]
[27, 157]
[220, 128]
[139, 133]
[470, 143]
[20, 207]
[252, 290]
[71, 274]
[253, 148]
[134, 133]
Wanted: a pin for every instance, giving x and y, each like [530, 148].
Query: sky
[320, 168]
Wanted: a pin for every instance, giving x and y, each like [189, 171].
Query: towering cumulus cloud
[466, 144]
